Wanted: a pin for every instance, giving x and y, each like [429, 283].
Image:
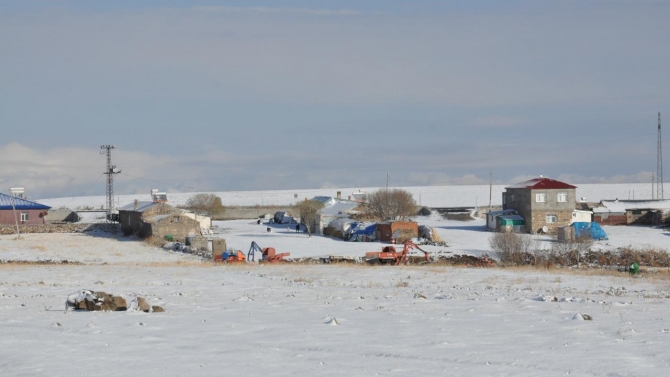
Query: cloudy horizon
[260, 95]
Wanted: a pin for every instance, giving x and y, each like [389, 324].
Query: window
[552, 219]
[540, 197]
[562, 197]
[24, 217]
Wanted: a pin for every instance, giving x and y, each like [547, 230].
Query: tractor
[389, 255]
[268, 254]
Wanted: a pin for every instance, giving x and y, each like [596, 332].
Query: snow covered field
[326, 320]
[432, 196]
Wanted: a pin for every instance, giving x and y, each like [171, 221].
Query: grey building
[542, 202]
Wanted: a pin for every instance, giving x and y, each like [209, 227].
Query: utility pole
[110, 172]
[653, 179]
[490, 189]
[16, 219]
[387, 182]
[659, 163]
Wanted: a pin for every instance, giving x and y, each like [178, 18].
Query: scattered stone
[157, 309]
[582, 317]
[95, 301]
[419, 296]
[143, 305]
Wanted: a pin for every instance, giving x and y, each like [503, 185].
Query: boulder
[157, 309]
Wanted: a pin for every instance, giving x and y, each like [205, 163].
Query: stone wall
[539, 220]
[244, 213]
[43, 228]
[185, 226]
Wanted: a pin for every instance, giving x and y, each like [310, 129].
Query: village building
[545, 204]
[159, 219]
[632, 212]
[27, 212]
[333, 208]
[493, 218]
[61, 216]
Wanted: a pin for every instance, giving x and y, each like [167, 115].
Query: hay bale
[405, 235]
[436, 236]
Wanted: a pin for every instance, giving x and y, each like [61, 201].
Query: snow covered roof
[339, 207]
[324, 199]
[624, 205]
[512, 217]
[501, 212]
[542, 183]
[22, 204]
[141, 206]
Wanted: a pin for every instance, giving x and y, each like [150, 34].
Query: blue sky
[259, 95]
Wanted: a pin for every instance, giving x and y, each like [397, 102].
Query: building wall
[639, 217]
[610, 218]
[385, 230]
[34, 218]
[132, 222]
[539, 220]
[179, 229]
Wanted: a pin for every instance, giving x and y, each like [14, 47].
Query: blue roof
[22, 204]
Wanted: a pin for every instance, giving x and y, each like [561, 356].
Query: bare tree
[512, 248]
[208, 204]
[309, 211]
[393, 204]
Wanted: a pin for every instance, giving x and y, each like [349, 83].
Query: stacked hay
[404, 235]
[436, 236]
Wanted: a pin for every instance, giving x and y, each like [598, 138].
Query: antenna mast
[110, 172]
[659, 163]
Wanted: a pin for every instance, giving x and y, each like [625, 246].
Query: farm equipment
[268, 254]
[230, 256]
[389, 254]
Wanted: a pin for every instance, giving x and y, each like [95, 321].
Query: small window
[562, 197]
[24, 216]
[637, 212]
[176, 219]
[552, 219]
[540, 197]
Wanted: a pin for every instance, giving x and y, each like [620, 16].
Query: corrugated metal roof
[22, 204]
[542, 183]
[621, 206]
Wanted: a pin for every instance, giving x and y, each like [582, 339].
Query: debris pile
[89, 300]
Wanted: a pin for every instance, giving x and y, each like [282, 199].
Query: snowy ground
[326, 320]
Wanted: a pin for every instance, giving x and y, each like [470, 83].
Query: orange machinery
[230, 256]
[390, 255]
[268, 254]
